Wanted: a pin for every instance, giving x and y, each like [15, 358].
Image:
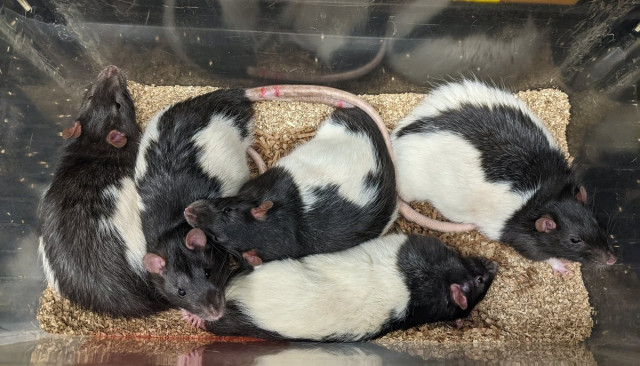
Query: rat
[480, 156]
[193, 149]
[336, 190]
[393, 282]
[91, 244]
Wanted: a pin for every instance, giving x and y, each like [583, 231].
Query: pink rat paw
[559, 267]
[193, 320]
[193, 358]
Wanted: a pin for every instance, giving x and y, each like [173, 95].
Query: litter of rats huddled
[308, 249]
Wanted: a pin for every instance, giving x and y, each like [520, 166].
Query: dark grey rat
[388, 283]
[335, 191]
[91, 243]
[480, 156]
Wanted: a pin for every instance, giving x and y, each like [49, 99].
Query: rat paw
[560, 267]
[193, 320]
[193, 358]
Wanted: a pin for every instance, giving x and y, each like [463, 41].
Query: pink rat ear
[116, 138]
[260, 212]
[545, 224]
[153, 263]
[73, 131]
[195, 239]
[582, 195]
[458, 296]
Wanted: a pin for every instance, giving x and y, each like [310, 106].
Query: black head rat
[480, 156]
[385, 284]
[91, 243]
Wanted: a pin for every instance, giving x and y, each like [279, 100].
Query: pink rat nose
[611, 259]
[112, 70]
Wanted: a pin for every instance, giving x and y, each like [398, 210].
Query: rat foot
[193, 320]
[559, 267]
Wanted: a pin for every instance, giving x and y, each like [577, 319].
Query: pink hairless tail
[342, 99]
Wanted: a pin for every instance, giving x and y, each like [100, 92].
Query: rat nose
[111, 70]
[611, 259]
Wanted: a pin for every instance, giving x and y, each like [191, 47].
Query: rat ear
[195, 239]
[545, 224]
[458, 296]
[73, 131]
[251, 256]
[153, 263]
[260, 212]
[116, 138]
[582, 195]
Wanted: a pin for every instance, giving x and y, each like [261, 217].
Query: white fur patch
[48, 273]
[351, 293]
[453, 95]
[126, 221]
[221, 146]
[424, 173]
[151, 134]
[335, 156]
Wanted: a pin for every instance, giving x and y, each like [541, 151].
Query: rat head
[107, 113]
[229, 217]
[192, 274]
[444, 285]
[565, 228]
[469, 286]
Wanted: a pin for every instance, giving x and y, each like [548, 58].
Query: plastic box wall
[50, 51]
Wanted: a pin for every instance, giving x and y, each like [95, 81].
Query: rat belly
[446, 170]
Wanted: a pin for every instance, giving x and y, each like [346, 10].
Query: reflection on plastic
[192, 352]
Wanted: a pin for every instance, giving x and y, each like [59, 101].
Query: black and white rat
[480, 156]
[388, 283]
[91, 243]
[191, 150]
[335, 191]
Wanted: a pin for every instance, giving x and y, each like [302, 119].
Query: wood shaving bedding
[526, 303]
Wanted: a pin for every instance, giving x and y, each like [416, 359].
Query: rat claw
[193, 320]
[560, 267]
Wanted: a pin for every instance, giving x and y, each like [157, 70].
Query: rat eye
[207, 273]
[575, 240]
[181, 292]
[479, 280]
[226, 210]
[117, 105]
[90, 97]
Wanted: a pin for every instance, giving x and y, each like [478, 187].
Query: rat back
[476, 153]
[346, 182]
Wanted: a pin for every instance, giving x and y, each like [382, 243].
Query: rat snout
[491, 266]
[112, 78]
[108, 72]
[215, 305]
[193, 211]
